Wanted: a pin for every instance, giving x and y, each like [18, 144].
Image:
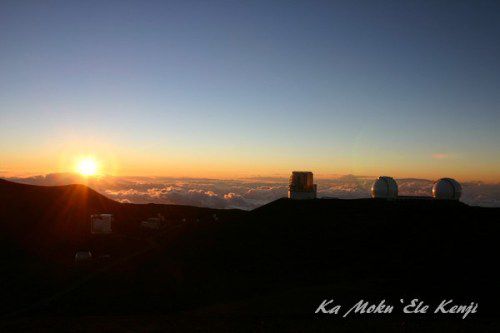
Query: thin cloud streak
[440, 156]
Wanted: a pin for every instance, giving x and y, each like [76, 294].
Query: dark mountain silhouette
[62, 213]
[227, 270]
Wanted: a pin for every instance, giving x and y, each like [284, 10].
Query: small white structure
[385, 187]
[447, 189]
[301, 186]
[83, 256]
[153, 223]
[101, 223]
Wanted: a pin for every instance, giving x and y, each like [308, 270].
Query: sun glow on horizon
[87, 166]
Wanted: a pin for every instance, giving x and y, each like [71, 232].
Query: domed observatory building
[447, 189]
[302, 186]
[385, 188]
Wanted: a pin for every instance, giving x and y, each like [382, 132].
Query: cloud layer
[248, 193]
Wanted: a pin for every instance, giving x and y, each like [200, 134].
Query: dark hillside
[276, 263]
[62, 213]
[380, 247]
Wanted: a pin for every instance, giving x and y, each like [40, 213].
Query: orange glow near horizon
[98, 158]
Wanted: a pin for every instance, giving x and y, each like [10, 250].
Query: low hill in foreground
[226, 270]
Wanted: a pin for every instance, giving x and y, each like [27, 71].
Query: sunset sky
[236, 89]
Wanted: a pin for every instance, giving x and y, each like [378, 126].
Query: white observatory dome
[385, 187]
[447, 189]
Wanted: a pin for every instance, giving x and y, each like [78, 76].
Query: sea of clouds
[247, 193]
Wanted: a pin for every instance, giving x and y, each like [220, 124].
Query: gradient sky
[234, 88]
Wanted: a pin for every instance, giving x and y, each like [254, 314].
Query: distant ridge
[58, 210]
[39, 214]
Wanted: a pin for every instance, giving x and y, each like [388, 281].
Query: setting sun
[87, 167]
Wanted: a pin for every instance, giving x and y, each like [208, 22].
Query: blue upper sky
[410, 88]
